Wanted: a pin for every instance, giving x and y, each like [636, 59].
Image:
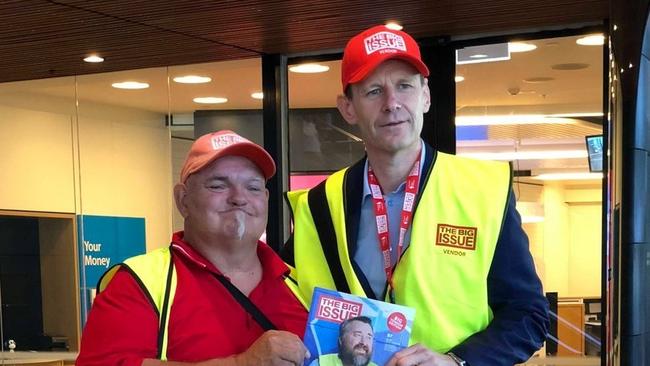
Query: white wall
[105, 161]
[566, 246]
[180, 148]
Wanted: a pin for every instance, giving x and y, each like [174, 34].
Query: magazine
[343, 328]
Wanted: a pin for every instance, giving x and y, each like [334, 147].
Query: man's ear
[427, 95]
[180, 192]
[346, 108]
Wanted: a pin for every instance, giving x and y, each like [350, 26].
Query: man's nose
[237, 196]
[392, 102]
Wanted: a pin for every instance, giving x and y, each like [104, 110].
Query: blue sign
[471, 133]
[104, 241]
[107, 240]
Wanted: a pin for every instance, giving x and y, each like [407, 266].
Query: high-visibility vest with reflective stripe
[156, 275]
[463, 201]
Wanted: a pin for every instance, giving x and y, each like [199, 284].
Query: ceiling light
[309, 68]
[538, 79]
[485, 53]
[192, 79]
[530, 212]
[394, 26]
[528, 219]
[459, 78]
[521, 47]
[257, 95]
[94, 59]
[133, 85]
[527, 155]
[522, 119]
[570, 66]
[569, 176]
[210, 100]
[576, 115]
[591, 40]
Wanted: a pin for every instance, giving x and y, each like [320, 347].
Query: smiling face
[226, 200]
[388, 106]
[355, 343]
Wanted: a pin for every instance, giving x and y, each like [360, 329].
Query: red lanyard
[381, 215]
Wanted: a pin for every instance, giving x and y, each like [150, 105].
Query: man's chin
[361, 360]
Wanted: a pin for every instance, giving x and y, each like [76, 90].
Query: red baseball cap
[368, 49]
[215, 145]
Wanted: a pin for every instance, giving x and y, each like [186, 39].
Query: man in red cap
[216, 295]
[418, 227]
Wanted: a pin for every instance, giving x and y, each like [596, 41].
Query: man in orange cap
[216, 295]
[418, 227]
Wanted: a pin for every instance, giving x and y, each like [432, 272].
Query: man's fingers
[408, 351]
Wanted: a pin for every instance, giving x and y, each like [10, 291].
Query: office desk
[571, 329]
[31, 362]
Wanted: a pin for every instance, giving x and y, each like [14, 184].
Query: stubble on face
[227, 199]
[388, 107]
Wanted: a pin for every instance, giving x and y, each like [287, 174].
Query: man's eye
[405, 86]
[373, 92]
[217, 186]
[254, 188]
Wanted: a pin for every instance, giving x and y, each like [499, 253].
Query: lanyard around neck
[381, 215]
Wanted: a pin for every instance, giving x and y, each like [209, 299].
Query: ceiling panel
[47, 38]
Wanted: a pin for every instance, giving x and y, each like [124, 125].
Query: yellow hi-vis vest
[156, 275]
[443, 272]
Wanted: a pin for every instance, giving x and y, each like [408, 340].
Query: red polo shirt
[206, 321]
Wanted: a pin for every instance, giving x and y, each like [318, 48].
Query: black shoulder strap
[246, 303]
[320, 211]
[162, 327]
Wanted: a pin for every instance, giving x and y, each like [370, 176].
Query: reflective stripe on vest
[442, 277]
[156, 275]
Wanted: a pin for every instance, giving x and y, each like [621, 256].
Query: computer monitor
[593, 308]
[595, 152]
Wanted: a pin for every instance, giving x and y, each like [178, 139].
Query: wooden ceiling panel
[47, 38]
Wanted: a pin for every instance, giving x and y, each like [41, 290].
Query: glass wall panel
[38, 261]
[320, 140]
[236, 91]
[124, 186]
[539, 105]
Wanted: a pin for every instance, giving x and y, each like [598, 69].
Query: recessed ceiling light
[511, 119]
[569, 176]
[538, 79]
[192, 79]
[309, 68]
[478, 55]
[591, 40]
[570, 66]
[130, 85]
[94, 59]
[526, 155]
[210, 100]
[394, 26]
[521, 47]
[459, 78]
[257, 95]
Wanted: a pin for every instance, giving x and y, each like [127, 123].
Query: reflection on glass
[534, 112]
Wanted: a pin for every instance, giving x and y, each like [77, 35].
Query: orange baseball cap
[215, 145]
[368, 49]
